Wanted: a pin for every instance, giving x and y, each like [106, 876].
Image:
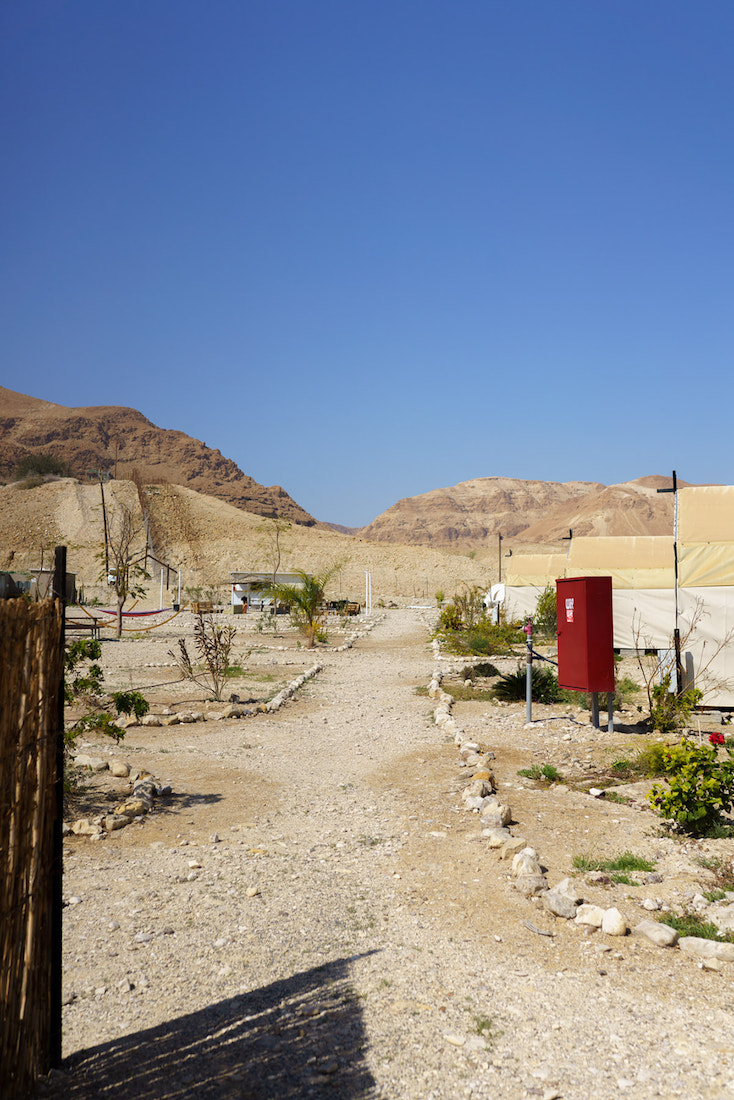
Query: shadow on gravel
[300, 1037]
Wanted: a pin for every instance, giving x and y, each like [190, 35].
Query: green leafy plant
[511, 687]
[670, 711]
[544, 619]
[692, 924]
[541, 773]
[617, 867]
[613, 796]
[84, 687]
[40, 466]
[699, 786]
[306, 601]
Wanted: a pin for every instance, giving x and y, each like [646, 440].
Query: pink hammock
[133, 614]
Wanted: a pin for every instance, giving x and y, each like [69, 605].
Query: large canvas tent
[644, 589]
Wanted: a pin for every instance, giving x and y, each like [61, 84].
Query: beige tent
[642, 569]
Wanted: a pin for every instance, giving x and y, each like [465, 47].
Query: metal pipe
[529, 673]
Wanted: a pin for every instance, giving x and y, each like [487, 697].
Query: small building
[249, 589]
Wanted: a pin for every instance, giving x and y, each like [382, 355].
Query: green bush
[700, 787]
[40, 466]
[670, 711]
[512, 687]
[544, 619]
[545, 773]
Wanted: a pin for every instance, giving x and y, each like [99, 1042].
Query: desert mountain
[465, 516]
[121, 440]
[207, 539]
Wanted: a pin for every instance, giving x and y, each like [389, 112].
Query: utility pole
[676, 631]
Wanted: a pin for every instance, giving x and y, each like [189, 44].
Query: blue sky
[369, 249]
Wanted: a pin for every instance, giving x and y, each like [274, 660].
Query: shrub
[692, 924]
[84, 687]
[670, 711]
[541, 773]
[38, 466]
[618, 867]
[512, 686]
[544, 619]
[212, 645]
[700, 787]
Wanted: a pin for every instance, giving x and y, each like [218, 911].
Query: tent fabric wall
[706, 536]
[643, 585]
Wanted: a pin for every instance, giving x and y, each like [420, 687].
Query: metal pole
[529, 673]
[499, 558]
[57, 866]
[595, 709]
[610, 713]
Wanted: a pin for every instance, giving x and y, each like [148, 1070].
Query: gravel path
[311, 918]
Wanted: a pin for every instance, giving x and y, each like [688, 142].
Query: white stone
[590, 915]
[706, 949]
[613, 923]
[496, 837]
[662, 935]
[526, 862]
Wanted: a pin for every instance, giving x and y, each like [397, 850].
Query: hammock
[132, 614]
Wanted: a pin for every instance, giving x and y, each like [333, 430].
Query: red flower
[716, 738]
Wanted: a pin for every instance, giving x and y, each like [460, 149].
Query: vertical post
[595, 709]
[160, 604]
[610, 712]
[57, 866]
[499, 558]
[529, 673]
[106, 533]
[179, 588]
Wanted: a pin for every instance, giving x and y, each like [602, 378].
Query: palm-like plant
[306, 600]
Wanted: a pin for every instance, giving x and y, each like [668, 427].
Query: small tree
[213, 646]
[126, 574]
[545, 619]
[272, 544]
[306, 600]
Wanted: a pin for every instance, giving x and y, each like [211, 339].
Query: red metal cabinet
[585, 633]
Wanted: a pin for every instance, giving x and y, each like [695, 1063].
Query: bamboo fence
[31, 675]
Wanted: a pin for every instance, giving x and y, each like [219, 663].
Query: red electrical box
[585, 633]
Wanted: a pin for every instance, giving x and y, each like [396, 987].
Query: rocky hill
[465, 516]
[121, 440]
[207, 539]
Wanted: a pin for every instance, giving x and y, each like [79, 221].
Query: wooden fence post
[57, 871]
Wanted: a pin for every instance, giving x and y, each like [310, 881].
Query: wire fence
[31, 677]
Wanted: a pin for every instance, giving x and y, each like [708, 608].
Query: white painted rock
[706, 949]
[495, 815]
[590, 915]
[496, 837]
[614, 924]
[96, 763]
[662, 935]
[512, 847]
[526, 862]
[722, 916]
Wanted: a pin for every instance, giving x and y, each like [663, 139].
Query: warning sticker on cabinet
[569, 609]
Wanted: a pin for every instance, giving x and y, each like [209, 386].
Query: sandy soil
[382, 949]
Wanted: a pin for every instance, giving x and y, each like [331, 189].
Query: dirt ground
[343, 812]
